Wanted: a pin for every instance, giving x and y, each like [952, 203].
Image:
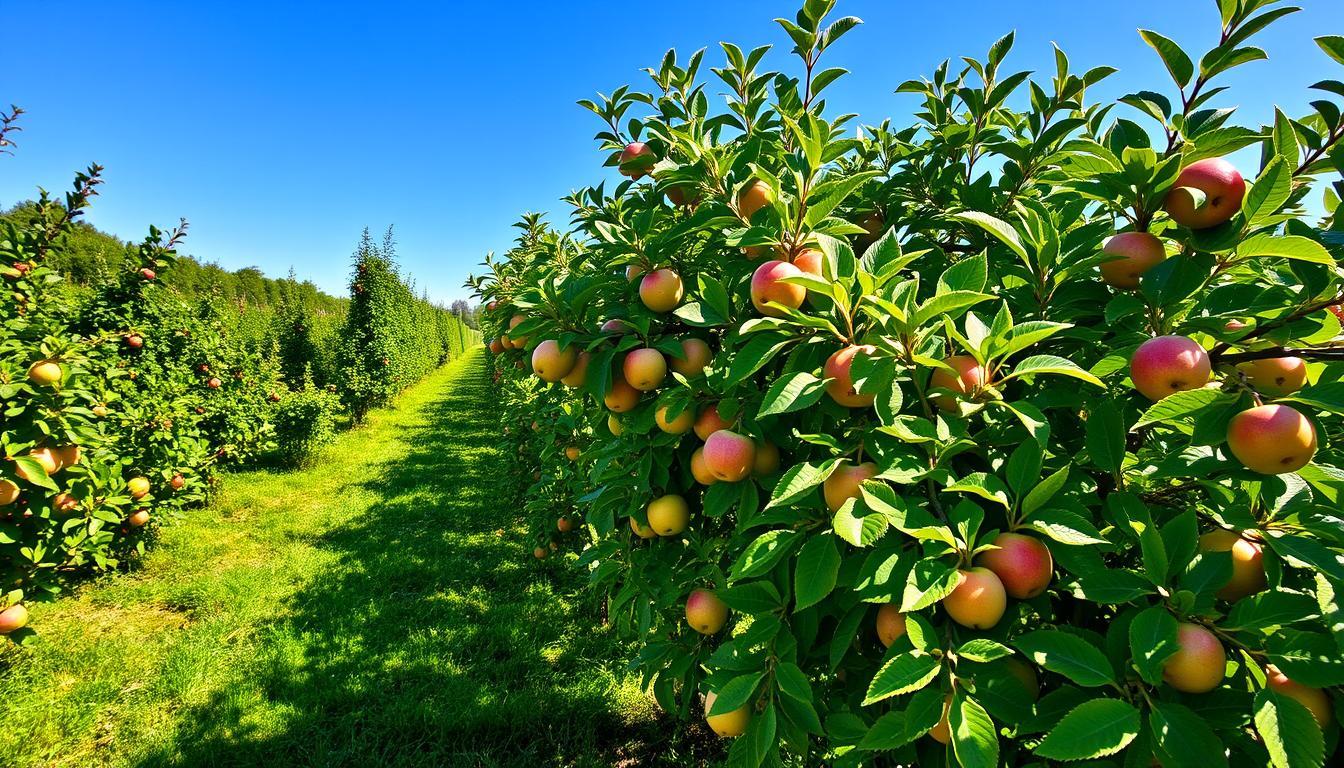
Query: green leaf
[735, 693]
[887, 733]
[1038, 364]
[799, 482]
[755, 353]
[1152, 640]
[858, 531]
[792, 392]
[1045, 490]
[975, 740]
[1285, 246]
[816, 571]
[986, 486]
[35, 472]
[1068, 655]
[1185, 736]
[1065, 527]
[982, 649]
[902, 673]
[1289, 731]
[1333, 45]
[930, 581]
[999, 229]
[1178, 64]
[762, 554]
[754, 597]
[1270, 611]
[1105, 435]
[1269, 192]
[947, 304]
[1180, 405]
[1112, 586]
[1093, 729]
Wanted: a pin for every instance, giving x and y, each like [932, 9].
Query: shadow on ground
[434, 640]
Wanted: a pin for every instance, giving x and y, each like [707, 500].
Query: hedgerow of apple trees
[122, 403]
[1009, 437]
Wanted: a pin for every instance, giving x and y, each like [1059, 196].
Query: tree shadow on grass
[434, 639]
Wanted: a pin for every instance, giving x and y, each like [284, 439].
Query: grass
[379, 609]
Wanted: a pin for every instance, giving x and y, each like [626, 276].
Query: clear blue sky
[281, 129]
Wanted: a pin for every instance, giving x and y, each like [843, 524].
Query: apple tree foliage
[975, 231]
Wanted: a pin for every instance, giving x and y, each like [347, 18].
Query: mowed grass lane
[379, 609]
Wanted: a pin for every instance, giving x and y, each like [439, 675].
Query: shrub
[305, 422]
[984, 542]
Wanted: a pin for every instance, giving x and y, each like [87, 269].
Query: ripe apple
[564, 525]
[978, 601]
[64, 503]
[213, 383]
[1248, 565]
[616, 325]
[491, 306]
[518, 341]
[767, 285]
[810, 260]
[45, 372]
[572, 452]
[147, 273]
[138, 518]
[13, 618]
[1314, 699]
[48, 458]
[965, 379]
[551, 363]
[844, 483]
[1022, 563]
[890, 624]
[668, 515]
[698, 469]
[645, 369]
[729, 456]
[729, 724]
[752, 198]
[9, 492]
[579, 373]
[636, 159]
[1223, 190]
[135, 341]
[1275, 376]
[942, 732]
[678, 426]
[621, 397]
[1168, 364]
[178, 482]
[67, 455]
[1272, 439]
[540, 553]
[697, 355]
[705, 612]
[505, 342]
[1199, 665]
[767, 459]
[614, 425]
[1138, 252]
[709, 422]
[633, 271]
[838, 369]
[661, 290]
[642, 531]
[138, 487]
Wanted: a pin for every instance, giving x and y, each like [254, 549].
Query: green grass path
[380, 608]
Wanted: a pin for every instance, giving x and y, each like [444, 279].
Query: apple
[645, 368]
[138, 487]
[709, 422]
[729, 724]
[1223, 190]
[844, 482]
[942, 731]
[1022, 563]
[45, 372]
[1199, 664]
[767, 459]
[13, 618]
[632, 272]
[678, 426]
[214, 383]
[661, 290]
[147, 273]
[9, 492]
[138, 518]
[178, 482]
[1275, 376]
[1314, 699]
[621, 397]
[965, 379]
[67, 455]
[540, 553]
[505, 342]
[572, 452]
[551, 363]
[753, 197]
[1248, 565]
[564, 525]
[48, 458]
[1272, 439]
[696, 356]
[616, 325]
[579, 373]
[705, 612]
[729, 456]
[642, 531]
[614, 425]
[1168, 364]
[491, 306]
[668, 515]
[838, 369]
[811, 261]
[135, 341]
[683, 195]
[636, 159]
[699, 471]
[1136, 252]
[978, 600]
[890, 624]
[767, 285]
[64, 503]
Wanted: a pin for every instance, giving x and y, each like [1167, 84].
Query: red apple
[661, 290]
[965, 379]
[1272, 439]
[729, 456]
[705, 612]
[709, 422]
[1168, 364]
[844, 483]
[1223, 190]
[1022, 563]
[645, 369]
[636, 159]
[1137, 253]
[767, 285]
[1275, 376]
[837, 369]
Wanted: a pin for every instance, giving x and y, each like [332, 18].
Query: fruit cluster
[1004, 438]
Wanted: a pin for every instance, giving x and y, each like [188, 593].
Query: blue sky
[281, 129]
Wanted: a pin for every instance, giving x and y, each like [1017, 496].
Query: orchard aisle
[380, 608]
